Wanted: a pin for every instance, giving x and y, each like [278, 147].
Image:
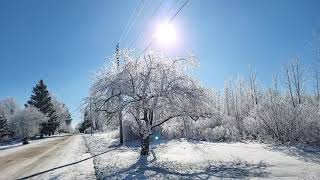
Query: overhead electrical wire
[174, 5]
[152, 16]
[134, 21]
[179, 11]
[170, 21]
[132, 14]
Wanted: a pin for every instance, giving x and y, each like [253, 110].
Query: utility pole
[119, 99]
[90, 115]
[94, 117]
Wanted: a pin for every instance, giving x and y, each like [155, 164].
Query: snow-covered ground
[182, 159]
[52, 158]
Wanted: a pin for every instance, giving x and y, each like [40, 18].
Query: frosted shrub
[219, 133]
[251, 127]
[26, 122]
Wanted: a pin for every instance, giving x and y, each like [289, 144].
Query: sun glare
[165, 34]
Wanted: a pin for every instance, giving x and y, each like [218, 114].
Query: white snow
[202, 160]
[10, 145]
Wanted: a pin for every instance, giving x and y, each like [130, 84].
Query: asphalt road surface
[52, 158]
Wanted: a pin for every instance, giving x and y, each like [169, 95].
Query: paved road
[52, 158]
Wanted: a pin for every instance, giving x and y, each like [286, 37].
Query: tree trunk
[120, 128]
[25, 141]
[145, 142]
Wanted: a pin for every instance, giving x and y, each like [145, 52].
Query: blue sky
[63, 42]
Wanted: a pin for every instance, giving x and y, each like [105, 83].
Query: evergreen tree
[69, 119]
[41, 99]
[4, 130]
[82, 127]
[86, 123]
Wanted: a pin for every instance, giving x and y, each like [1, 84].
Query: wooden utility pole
[90, 115]
[119, 99]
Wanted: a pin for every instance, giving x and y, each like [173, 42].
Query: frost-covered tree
[97, 118]
[294, 80]
[240, 97]
[41, 99]
[316, 85]
[84, 125]
[154, 89]
[4, 128]
[26, 122]
[8, 107]
[253, 86]
[63, 116]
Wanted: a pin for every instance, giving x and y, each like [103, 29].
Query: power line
[152, 16]
[173, 6]
[133, 12]
[172, 18]
[134, 21]
[179, 11]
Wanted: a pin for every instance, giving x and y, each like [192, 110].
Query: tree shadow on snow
[307, 154]
[62, 166]
[144, 169]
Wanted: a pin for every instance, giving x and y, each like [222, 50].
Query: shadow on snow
[307, 153]
[143, 169]
[70, 164]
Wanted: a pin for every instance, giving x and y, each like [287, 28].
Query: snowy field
[182, 159]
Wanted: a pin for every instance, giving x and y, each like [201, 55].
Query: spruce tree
[69, 119]
[41, 99]
[4, 130]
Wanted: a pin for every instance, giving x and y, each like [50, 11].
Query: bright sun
[165, 34]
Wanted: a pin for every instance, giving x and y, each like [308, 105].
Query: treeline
[41, 115]
[288, 111]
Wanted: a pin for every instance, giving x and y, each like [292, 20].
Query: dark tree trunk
[120, 128]
[145, 142]
[25, 141]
